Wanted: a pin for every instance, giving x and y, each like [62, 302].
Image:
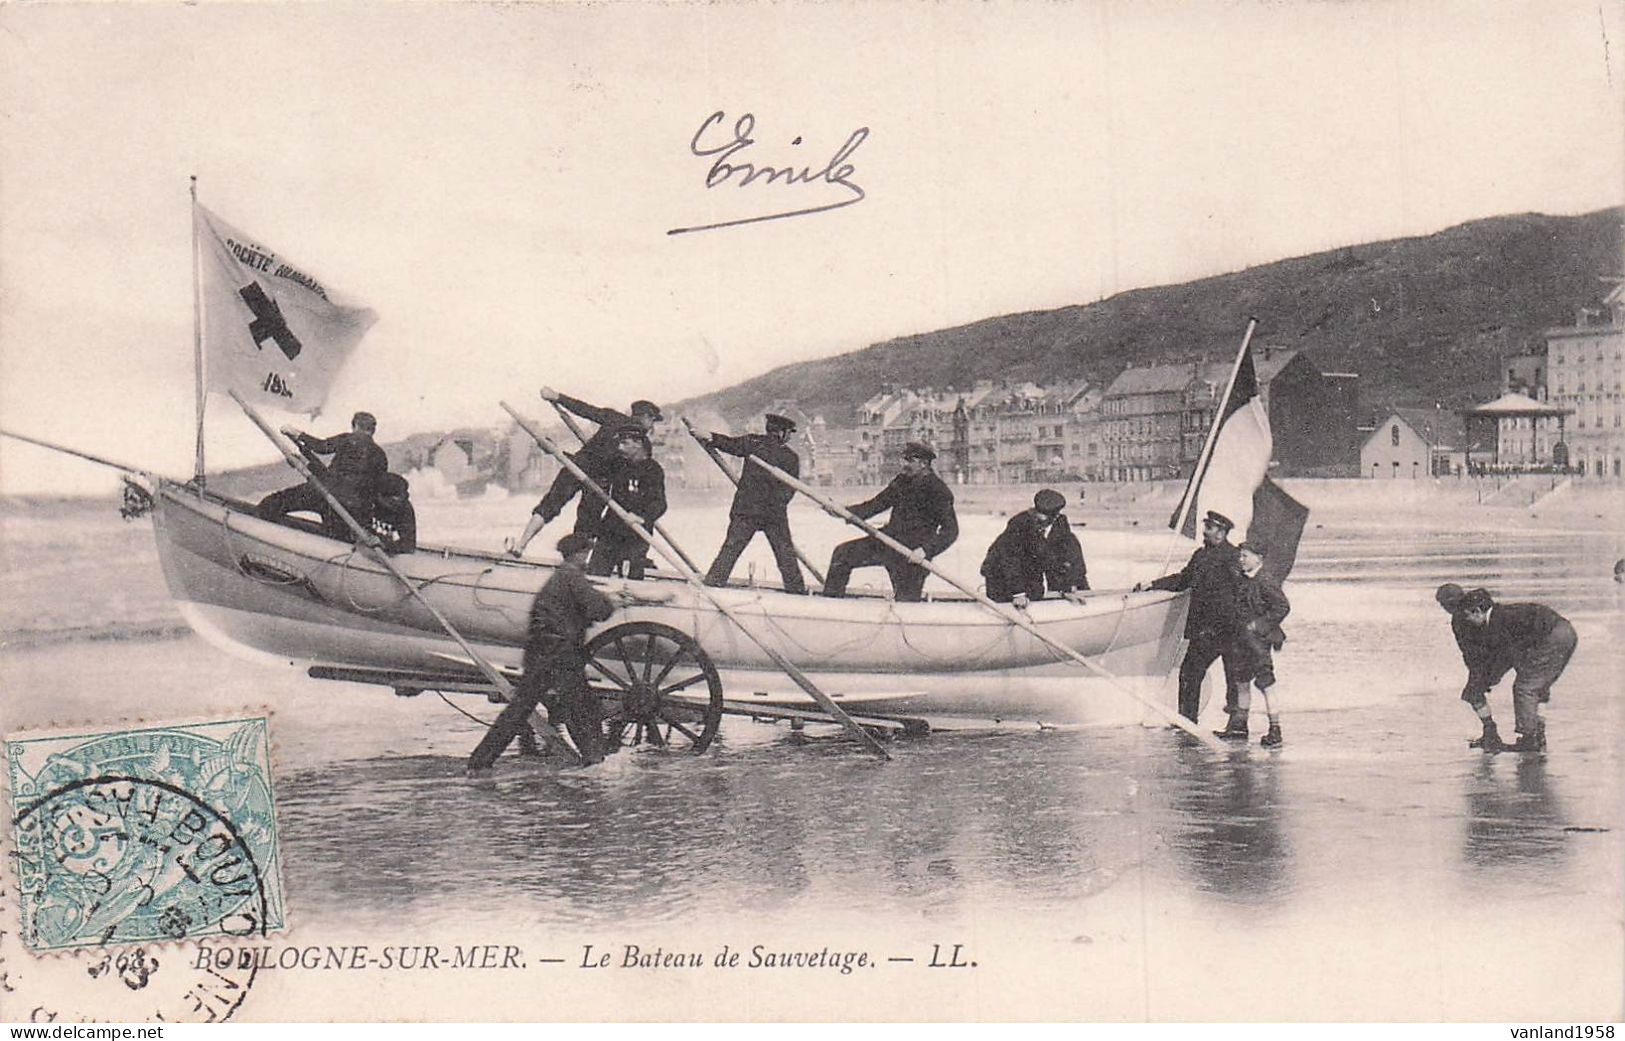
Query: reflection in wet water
[1514, 822]
[1233, 841]
[757, 827]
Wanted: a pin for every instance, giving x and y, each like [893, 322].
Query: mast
[197, 342]
[1187, 502]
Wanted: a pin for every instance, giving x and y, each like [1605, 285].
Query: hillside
[1420, 319]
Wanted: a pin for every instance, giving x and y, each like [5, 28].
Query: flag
[1233, 478]
[271, 331]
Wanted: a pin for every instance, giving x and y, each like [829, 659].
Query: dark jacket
[1261, 607]
[1482, 659]
[396, 528]
[1512, 631]
[1024, 558]
[640, 488]
[760, 494]
[358, 466]
[566, 606]
[922, 512]
[598, 454]
[1211, 578]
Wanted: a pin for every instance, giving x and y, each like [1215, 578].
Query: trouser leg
[777, 531]
[907, 580]
[515, 716]
[1237, 671]
[1198, 657]
[634, 551]
[740, 531]
[849, 556]
[583, 716]
[278, 505]
[558, 494]
[605, 555]
[1535, 674]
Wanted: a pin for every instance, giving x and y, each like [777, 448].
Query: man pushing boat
[555, 659]
[1212, 623]
[922, 518]
[353, 477]
[761, 503]
[597, 457]
[1037, 551]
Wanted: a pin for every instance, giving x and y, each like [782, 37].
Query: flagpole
[1188, 501]
[197, 342]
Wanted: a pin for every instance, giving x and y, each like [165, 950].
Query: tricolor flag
[1232, 478]
[271, 331]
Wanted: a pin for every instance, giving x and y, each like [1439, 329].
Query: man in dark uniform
[1531, 639]
[638, 484]
[1480, 659]
[555, 658]
[353, 475]
[1261, 607]
[595, 458]
[394, 521]
[1210, 624]
[761, 502]
[1036, 551]
[922, 518]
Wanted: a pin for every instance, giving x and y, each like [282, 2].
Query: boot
[1491, 739]
[1273, 738]
[1236, 729]
[1534, 741]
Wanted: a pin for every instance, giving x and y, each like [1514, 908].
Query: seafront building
[1583, 374]
[1413, 443]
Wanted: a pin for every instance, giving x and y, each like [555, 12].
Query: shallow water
[1373, 868]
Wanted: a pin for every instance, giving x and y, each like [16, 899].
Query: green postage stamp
[144, 835]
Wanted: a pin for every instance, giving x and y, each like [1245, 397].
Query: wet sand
[1374, 868]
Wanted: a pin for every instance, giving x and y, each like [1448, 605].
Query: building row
[1561, 408]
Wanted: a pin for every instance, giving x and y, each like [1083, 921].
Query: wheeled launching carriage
[657, 686]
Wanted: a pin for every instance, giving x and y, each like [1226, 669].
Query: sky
[497, 181]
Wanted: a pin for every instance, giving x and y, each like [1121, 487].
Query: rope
[462, 711]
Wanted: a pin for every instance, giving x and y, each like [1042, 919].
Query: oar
[80, 455]
[689, 573]
[1011, 615]
[716, 457]
[497, 680]
[575, 429]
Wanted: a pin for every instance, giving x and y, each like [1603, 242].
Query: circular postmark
[116, 870]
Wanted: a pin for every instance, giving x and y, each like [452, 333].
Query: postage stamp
[142, 835]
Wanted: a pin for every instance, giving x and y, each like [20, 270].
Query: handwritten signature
[724, 170]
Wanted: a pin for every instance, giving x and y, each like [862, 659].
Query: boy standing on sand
[1260, 609]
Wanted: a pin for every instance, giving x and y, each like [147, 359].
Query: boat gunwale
[1109, 601]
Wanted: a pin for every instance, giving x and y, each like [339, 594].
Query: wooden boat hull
[288, 595]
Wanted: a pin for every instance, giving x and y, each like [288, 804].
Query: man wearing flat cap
[1211, 624]
[597, 458]
[922, 518]
[1481, 660]
[1531, 640]
[555, 662]
[761, 503]
[1036, 552]
[352, 477]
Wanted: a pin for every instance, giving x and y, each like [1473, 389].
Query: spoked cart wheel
[657, 687]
